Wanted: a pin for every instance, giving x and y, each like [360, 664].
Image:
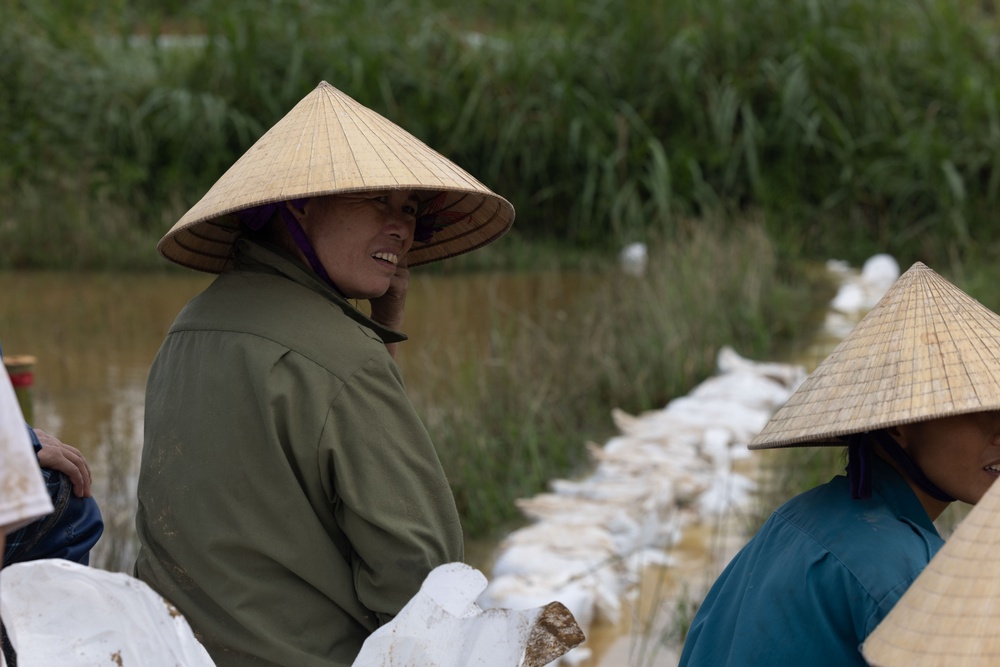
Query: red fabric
[22, 379]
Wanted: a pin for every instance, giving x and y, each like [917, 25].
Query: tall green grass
[851, 126]
[509, 422]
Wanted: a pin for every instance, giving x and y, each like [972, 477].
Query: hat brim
[206, 244]
[329, 144]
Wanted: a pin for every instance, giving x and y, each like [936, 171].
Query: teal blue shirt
[816, 578]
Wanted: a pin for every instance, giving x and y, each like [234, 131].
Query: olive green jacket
[290, 499]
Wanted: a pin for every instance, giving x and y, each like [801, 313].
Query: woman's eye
[409, 209]
[382, 199]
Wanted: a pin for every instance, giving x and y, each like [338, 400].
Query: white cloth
[442, 626]
[60, 613]
[22, 490]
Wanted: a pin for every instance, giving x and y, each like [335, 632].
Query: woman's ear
[899, 434]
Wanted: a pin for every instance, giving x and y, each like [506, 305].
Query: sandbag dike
[631, 548]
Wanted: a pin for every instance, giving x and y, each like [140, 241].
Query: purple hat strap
[256, 217]
[859, 465]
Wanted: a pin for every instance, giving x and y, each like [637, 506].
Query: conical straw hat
[925, 350]
[329, 144]
[950, 616]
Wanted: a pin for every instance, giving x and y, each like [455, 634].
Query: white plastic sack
[62, 613]
[442, 626]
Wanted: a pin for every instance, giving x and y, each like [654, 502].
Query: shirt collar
[253, 253]
[897, 494]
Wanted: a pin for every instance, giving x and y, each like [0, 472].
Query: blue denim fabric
[70, 532]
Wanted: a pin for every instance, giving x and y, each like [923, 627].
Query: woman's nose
[401, 226]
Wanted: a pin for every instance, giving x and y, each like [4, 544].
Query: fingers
[388, 309]
[57, 455]
[400, 281]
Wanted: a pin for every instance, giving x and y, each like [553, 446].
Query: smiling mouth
[993, 470]
[390, 257]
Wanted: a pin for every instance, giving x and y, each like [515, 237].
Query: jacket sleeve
[389, 491]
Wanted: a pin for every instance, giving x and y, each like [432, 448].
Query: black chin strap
[859, 465]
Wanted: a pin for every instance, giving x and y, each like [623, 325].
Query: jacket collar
[250, 253]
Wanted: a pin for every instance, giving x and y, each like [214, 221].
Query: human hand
[388, 309]
[57, 455]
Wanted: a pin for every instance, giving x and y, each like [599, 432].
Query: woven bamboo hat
[926, 350]
[330, 144]
[949, 616]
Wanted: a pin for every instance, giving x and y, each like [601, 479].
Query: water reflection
[95, 336]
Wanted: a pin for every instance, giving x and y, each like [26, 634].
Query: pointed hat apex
[330, 144]
[926, 350]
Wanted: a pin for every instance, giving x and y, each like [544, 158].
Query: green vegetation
[507, 424]
[850, 126]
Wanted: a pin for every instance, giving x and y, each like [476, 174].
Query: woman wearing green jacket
[290, 500]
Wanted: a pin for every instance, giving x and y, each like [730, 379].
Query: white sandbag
[442, 626]
[62, 613]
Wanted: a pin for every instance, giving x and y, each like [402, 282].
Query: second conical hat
[950, 614]
[331, 144]
[926, 350]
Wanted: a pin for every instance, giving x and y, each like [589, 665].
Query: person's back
[811, 584]
[257, 515]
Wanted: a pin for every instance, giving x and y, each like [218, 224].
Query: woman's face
[361, 238]
[959, 454]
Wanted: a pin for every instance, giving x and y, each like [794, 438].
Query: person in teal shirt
[912, 392]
